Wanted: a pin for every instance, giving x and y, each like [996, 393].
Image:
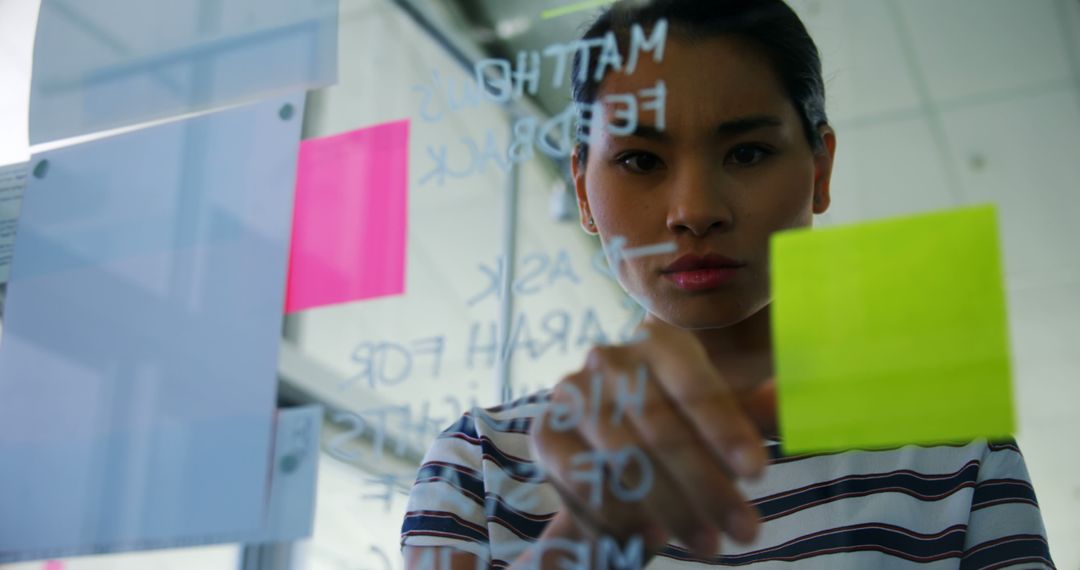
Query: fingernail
[743, 462]
[742, 526]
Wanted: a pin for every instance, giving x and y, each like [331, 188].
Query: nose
[697, 203]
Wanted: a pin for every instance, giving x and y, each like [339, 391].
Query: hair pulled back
[770, 25]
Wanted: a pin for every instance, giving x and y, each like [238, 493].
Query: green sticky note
[891, 332]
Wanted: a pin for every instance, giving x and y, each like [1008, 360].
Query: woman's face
[731, 166]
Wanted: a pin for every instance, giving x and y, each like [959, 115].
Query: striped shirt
[947, 506]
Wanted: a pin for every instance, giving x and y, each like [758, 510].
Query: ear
[823, 164]
[577, 170]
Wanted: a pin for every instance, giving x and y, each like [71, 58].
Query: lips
[701, 272]
[692, 262]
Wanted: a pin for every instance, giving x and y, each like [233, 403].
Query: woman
[662, 451]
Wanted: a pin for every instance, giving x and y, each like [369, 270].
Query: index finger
[689, 379]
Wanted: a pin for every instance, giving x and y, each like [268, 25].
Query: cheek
[619, 213]
[788, 202]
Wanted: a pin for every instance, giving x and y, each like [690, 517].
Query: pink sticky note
[350, 217]
[54, 565]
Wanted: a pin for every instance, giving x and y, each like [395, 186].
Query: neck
[742, 352]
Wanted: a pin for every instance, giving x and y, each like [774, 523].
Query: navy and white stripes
[949, 506]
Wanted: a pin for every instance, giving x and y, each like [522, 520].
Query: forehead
[708, 80]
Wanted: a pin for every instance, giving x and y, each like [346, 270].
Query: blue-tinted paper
[290, 512]
[112, 63]
[138, 364]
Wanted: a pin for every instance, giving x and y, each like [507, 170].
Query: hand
[648, 440]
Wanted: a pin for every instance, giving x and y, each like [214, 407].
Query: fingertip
[706, 541]
[767, 390]
[761, 406]
[743, 525]
[747, 461]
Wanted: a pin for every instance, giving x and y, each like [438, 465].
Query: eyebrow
[743, 125]
[737, 126]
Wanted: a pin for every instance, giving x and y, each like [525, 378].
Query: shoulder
[1005, 527]
[909, 486]
[956, 458]
[515, 416]
[938, 501]
[497, 434]
[1003, 477]
[505, 421]
[978, 476]
[467, 477]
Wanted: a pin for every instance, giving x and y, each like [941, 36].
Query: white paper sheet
[12, 182]
[291, 512]
[113, 63]
[138, 365]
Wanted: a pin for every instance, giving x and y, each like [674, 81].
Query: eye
[748, 154]
[639, 162]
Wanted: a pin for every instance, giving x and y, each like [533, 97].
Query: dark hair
[771, 25]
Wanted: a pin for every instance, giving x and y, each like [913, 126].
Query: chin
[703, 312]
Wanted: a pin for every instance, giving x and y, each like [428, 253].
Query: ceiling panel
[865, 71]
[1045, 324]
[974, 47]
[1069, 11]
[1022, 155]
[1053, 474]
[897, 169]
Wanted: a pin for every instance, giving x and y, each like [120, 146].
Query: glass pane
[126, 62]
[140, 335]
[442, 278]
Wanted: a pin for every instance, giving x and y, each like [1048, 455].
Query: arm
[445, 524]
[1005, 528]
[645, 442]
[648, 441]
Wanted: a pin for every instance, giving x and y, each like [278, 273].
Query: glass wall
[502, 294]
